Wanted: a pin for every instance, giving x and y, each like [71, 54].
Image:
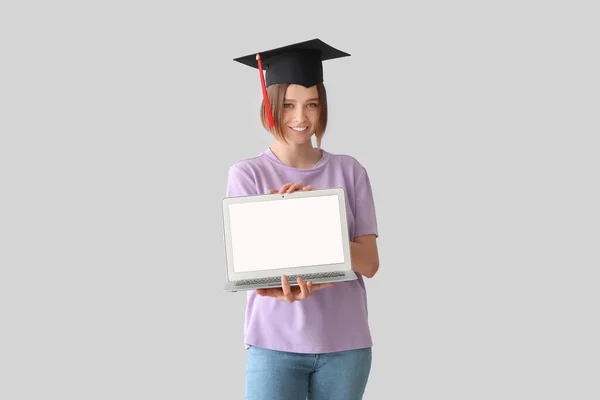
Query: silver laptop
[300, 234]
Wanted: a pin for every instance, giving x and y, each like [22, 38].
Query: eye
[313, 105]
[286, 105]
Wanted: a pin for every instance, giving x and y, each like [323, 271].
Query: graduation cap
[298, 63]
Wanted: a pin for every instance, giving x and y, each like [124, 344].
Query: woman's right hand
[292, 293]
[304, 289]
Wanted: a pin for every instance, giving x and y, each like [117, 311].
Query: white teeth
[299, 129]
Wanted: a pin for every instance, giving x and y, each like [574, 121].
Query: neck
[296, 156]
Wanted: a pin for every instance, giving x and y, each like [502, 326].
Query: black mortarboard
[299, 63]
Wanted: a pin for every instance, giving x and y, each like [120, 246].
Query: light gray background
[477, 123]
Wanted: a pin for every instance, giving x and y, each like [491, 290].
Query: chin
[299, 141]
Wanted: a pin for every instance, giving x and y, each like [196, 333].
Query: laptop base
[338, 276]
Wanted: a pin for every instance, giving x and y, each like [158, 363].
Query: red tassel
[264, 90]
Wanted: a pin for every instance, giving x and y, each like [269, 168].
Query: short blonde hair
[276, 94]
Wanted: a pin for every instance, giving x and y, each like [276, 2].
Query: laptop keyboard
[291, 278]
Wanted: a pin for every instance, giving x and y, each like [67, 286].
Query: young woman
[304, 340]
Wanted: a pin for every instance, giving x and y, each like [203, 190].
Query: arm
[365, 256]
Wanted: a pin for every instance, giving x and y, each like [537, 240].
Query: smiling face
[300, 114]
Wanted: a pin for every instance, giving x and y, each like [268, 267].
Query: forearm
[364, 261]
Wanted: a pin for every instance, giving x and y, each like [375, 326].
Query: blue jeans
[278, 375]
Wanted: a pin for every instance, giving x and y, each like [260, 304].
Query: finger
[309, 187]
[262, 292]
[309, 287]
[285, 187]
[271, 292]
[272, 191]
[287, 290]
[303, 288]
[294, 187]
[320, 286]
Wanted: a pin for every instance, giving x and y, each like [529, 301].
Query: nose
[299, 114]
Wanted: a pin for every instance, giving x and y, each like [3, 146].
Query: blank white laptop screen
[286, 233]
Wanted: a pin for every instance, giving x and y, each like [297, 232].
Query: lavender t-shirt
[334, 318]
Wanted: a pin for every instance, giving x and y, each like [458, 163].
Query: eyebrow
[294, 101]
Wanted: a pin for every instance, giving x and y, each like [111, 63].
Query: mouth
[299, 129]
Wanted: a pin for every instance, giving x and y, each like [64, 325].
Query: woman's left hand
[290, 187]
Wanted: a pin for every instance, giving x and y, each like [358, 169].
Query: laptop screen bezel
[346, 265]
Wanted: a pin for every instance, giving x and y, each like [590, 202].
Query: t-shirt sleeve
[365, 218]
[240, 182]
